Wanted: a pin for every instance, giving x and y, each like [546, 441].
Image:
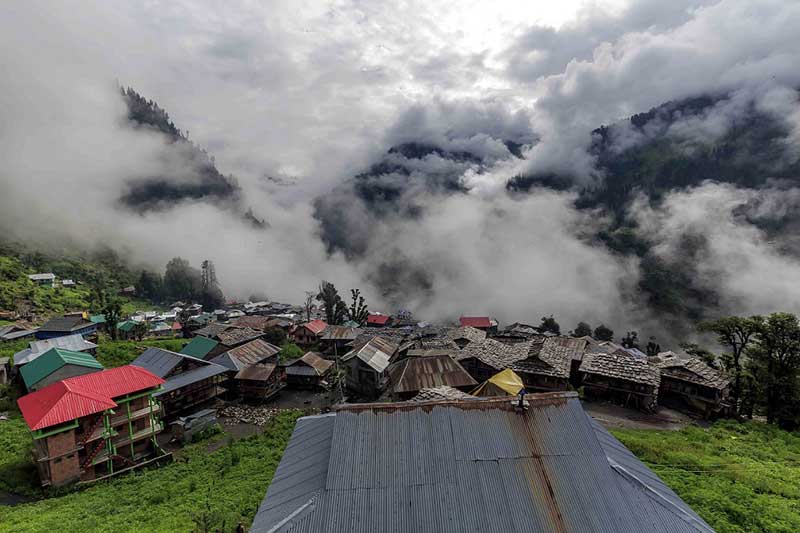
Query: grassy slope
[231, 480]
[738, 477]
[17, 471]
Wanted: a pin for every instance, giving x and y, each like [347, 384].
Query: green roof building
[57, 364]
[98, 319]
[126, 326]
[199, 347]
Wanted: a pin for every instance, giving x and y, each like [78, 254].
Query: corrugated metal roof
[315, 326]
[52, 360]
[377, 352]
[194, 375]
[260, 372]
[199, 347]
[413, 374]
[476, 321]
[340, 333]
[65, 324]
[378, 319]
[73, 343]
[79, 396]
[251, 353]
[161, 362]
[312, 361]
[460, 466]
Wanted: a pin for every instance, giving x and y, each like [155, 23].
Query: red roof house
[83, 395]
[377, 319]
[94, 425]
[480, 322]
[310, 332]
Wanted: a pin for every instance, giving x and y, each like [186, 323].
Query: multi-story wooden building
[95, 425]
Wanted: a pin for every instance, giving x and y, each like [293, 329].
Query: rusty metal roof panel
[470, 466]
[416, 373]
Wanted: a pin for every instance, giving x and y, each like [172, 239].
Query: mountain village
[472, 425]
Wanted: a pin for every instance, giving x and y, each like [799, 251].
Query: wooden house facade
[366, 365]
[620, 377]
[96, 425]
[308, 372]
[690, 384]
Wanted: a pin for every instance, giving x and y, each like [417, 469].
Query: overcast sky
[312, 92]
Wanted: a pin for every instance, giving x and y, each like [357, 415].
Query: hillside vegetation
[200, 491]
[738, 477]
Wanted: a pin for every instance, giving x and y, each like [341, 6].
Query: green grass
[226, 486]
[738, 477]
[118, 353]
[9, 348]
[17, 471]
[289, 352]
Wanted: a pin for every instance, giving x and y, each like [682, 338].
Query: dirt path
[615, 416]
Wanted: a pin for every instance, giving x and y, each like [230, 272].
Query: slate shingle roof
[692, 370]
[621, 365]
[494, 353]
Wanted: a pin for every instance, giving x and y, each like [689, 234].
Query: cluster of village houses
[89, 422]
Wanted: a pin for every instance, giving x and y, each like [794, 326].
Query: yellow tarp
[505, 383]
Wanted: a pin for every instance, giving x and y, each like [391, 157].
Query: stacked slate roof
[442, 392]
[213, 329]
[465, 332]
[690, 369]
[552, 356]
[236, 336]
[495, 354]
[622, 365]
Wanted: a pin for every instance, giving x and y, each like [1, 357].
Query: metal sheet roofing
[66, 324]
[380, 320]
[315, 326]
[377, 352]
[413, 374]
[80, 396]
[475, 321]
[199, 347]
[52, 360]
[477, 465]
[260, 372]
[251, 353]
[313, 361]
[189, 377]
[73, 343]
[161, 362]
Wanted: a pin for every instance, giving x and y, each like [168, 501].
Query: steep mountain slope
[195, 176]
[741, 139]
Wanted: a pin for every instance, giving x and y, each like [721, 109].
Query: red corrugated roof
[316, 326]
[476, 321]
[83, 395]
[379, 320]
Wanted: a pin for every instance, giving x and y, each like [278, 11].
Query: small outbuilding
[308, 372]
[259, 382]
